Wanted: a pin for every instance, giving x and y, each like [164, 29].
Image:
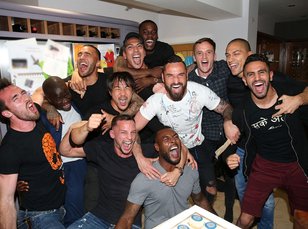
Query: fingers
[233, 161]
[95, 121]
[152, 173]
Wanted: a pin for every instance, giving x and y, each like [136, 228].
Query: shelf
[20, 21]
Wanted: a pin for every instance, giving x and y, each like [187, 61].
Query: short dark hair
[96, 50]
[256, 57]
[205, 39]
[4, 83]
[147, 21]
[121, 117]
[132, 35]
[174, 59]
[126, 77]
[243, 41]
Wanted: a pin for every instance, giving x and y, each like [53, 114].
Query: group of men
[188, 119]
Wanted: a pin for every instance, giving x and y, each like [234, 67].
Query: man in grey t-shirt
[162, 202]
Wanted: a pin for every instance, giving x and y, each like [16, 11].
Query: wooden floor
[282, 218]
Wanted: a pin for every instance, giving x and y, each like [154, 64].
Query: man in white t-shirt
[181, 107]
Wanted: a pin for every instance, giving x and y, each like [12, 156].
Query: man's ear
[6, 114]
[124, 55]
[244, 80]
[271, 75]
[111, 133]
[156, 147]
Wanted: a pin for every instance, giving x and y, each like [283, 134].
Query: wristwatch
[180, 169]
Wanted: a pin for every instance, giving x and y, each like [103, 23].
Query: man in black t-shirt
[276, 144]
[157, 52]
[117, 167]
[28, 152]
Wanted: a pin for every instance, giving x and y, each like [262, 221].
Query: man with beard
[278, 160]
[181, 108]
[161, 202]
[28, 152]
[117, 167]
[237, 52]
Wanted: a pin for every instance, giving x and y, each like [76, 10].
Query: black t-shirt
[34, 157]
[161, 53]
[96, 94]
[271, 134]
[115, 176]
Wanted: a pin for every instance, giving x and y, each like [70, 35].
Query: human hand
[108, 119]
[191, 161]
[171, 178]
[94, 121]
[233, 161]
[143, 83]
[156, 72]
[146, 167]
[232, 132]
[54, 117]
[22, 186]
[190, 68]
[288, 105]
[77, 83]
[159, 88]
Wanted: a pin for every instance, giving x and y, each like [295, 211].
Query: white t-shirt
[69, 118]
[184, 116]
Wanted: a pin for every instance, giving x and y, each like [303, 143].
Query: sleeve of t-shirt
[9, 161]
[95, 147]
[196, 188]
[138, 190]
[149, 109]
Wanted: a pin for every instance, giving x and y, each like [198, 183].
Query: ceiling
[280, 10]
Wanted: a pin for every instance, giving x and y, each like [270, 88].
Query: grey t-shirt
[162, 202]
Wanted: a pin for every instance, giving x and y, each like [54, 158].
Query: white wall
[173, 29]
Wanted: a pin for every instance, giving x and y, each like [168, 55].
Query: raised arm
[67, 148]
[79, 135]
[38, 96]
[8, 216]
[128, 216]
[135, 105]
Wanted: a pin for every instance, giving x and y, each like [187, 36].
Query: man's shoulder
[160, 44]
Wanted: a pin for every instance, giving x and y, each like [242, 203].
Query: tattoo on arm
[225, 109]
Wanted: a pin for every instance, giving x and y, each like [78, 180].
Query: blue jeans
[51, 219]
[75, 172]
[267, 218]
[90, 221]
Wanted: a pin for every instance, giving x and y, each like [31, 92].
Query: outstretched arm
[128, 216]
[7, 203]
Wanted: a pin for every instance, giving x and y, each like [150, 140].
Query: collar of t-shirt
[197, 73]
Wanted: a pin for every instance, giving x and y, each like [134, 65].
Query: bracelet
[180, 169]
